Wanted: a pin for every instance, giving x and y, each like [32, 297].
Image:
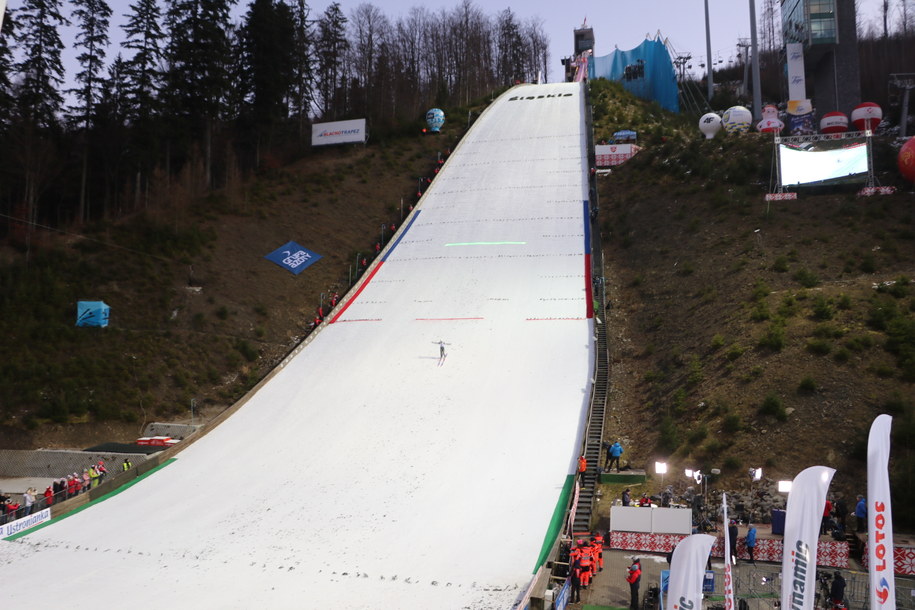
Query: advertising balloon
[906, 160]
[435, 118]
[770, 125]
[866, 116]
[736, 119]
[834, 122]
[710, 124]
[769, 112]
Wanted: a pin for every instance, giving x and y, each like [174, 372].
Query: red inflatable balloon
[907, 160]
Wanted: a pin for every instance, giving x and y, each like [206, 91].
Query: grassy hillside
[753, 335]
[198, 315]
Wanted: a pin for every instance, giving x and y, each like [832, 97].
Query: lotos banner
[880, 549]
[728, 567]
[803, 518]
[687, 570]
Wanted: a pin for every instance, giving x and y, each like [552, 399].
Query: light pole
[708, 53]
[757, 94]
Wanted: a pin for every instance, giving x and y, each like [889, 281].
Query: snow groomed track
[366, 473]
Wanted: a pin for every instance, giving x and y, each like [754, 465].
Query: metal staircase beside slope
[594, 435]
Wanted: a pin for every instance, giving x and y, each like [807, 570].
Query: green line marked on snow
[488, 243]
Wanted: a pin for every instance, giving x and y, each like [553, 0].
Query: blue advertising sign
[293, 257]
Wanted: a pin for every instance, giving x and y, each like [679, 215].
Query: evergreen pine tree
[41, 71]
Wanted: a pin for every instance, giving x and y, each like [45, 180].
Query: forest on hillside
[189, 95]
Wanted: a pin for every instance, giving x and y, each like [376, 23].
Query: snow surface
[364, 474]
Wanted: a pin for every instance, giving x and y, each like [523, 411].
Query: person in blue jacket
[751, 542]
[614, 452]
[861, 514]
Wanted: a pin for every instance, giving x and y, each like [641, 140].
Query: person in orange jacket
[597, 543]
[587, 564]
[582, 468]
[633, 578]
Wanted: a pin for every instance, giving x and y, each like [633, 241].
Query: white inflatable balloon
[710, 124]
[736, 119]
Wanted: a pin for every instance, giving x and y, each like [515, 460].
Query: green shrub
[717, 341]
[697, 435]
[774, 337]
[882, 311]
[841, 355]
[843, 302]
[731, 424]
[772, 407]
[222, 313]
[760, 312]
[668, 439]
[244, 348]
[859, 343]
[789, 306]
[806, 278]
[868, 264]
[819, 347]
[822, 308]
[780, 265]
[807, 386]
[760, 291]
[735, 351]
[732, 464]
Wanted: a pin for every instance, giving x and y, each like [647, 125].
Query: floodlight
[784, 486]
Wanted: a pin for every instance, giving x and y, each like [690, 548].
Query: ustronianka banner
[20, 525]
[803, 517]
[880, 549]
[687, 569]
[728, 570]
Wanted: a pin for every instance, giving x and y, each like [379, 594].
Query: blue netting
[646, 71]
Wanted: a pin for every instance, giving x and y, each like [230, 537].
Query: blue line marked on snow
[587, 228]
[402, 233]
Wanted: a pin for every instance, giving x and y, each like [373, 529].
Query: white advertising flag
[687, 569]
[803, 518]
[880, 549]
[797, 82]
[728, 568]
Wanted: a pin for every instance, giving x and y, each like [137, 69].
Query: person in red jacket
[582, 468]
[48, 497]
[633, 578]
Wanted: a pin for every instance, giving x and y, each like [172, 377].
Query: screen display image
[823, 162]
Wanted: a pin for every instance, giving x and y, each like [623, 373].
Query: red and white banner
[728, 568]
[882, 589]
[803, 518]
[687, 569]
[607, 155]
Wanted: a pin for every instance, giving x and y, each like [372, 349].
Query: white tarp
[880, 550]
[339, 132]
[803, 517]
[363, 474]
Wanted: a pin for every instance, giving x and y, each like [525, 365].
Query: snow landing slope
[364, 474]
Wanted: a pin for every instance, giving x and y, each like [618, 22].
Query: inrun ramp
[368, 473]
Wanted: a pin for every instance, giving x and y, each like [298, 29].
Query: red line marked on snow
[360, 320]
[445, 319]
[358, 292]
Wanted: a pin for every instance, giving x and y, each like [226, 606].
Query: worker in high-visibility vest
[582, 468]
[587, 564]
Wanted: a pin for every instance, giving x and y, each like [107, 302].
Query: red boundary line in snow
[359, 320]
[358, 292]
[445, 319]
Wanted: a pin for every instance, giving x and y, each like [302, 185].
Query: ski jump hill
[367, 472]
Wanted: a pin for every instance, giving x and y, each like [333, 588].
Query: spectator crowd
[60, 489]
